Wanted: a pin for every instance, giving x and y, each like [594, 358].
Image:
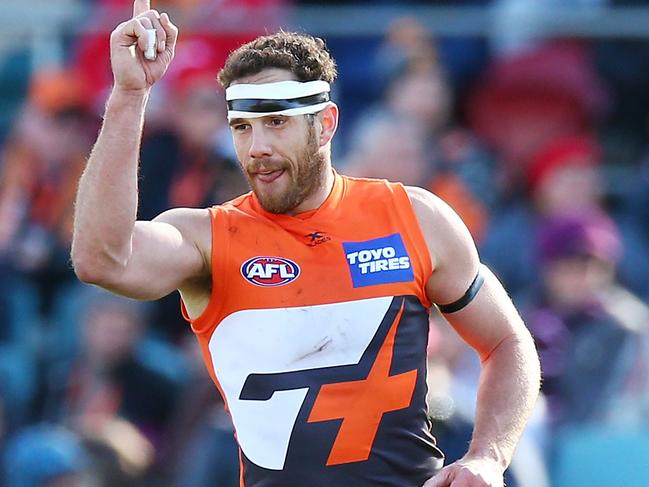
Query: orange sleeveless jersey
[316, 335]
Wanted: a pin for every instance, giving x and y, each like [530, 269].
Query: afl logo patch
[270, 271]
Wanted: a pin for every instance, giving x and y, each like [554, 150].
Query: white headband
[280, 98]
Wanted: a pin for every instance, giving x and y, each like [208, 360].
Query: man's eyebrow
[236, 121]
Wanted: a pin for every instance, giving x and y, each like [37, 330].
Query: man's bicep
[489, 318]
[452, 250]
[164, 256]
[484, 315]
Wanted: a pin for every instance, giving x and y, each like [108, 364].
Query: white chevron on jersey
[280, 340]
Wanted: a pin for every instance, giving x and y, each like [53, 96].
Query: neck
[315, 200]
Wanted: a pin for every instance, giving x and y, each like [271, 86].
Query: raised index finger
[141, 6]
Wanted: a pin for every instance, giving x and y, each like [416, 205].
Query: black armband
[468, 295]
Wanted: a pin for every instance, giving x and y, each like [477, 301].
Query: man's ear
[329, 122]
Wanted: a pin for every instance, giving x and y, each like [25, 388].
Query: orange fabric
[357, 405]
[241, 228]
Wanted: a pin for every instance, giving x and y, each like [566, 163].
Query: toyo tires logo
[270, 271]
[381, 260]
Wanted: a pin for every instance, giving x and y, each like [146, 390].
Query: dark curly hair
[305, 56]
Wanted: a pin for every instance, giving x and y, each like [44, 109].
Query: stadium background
[529, 117]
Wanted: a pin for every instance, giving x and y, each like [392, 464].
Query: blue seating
[601, 457]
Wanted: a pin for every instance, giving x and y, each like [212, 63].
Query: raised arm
[510, 374]
[143, 260]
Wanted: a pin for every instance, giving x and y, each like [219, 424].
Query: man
[309, 296]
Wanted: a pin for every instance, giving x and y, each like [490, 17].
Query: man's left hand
[469, 473]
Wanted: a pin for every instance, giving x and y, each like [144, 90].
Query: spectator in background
[586, 328]
[418, 91]
[527, 100]
[202, 450]
[389, 147]
[188, 159]
[39, 168]
[563, 177]
[108, 388]
[40, 165]
[120, 456]
[406, 42]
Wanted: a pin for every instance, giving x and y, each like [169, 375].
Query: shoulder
[451, 246]
[195, 226]
[426, 205]
[436, 218]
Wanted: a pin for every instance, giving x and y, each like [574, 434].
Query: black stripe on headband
[267, 106]
[468, 295]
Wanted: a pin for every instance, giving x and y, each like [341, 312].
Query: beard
[305, 177]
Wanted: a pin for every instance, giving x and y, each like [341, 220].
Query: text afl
[270, 271]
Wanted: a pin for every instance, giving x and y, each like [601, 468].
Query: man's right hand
[132, 72]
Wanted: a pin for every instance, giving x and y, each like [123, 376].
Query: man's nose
[259, 145]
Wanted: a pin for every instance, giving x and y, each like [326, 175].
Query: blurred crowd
[540, 147]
